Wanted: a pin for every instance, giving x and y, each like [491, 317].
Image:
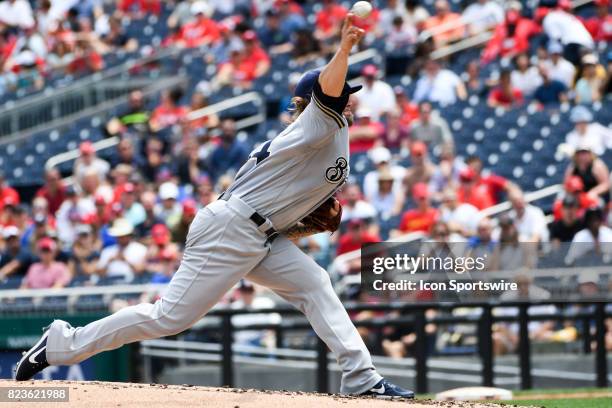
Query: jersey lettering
[262, 153]
[337, 173]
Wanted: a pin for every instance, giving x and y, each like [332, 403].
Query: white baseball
[362, 9]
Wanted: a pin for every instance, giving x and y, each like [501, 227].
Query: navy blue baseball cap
[303, 89]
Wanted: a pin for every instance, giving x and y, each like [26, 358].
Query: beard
[348, 115]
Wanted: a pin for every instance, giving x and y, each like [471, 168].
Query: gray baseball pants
[222, 247]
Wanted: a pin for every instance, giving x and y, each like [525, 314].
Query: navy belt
[259, 220]
[263, 224]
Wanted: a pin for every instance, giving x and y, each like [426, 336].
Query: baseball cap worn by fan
[581, 114]
[121, 228]
[160, 234]
[380, 155]
[466, 175]
[46, 244]
[420, 191]
[190, 207]
[10, 232]
[168, 191]
[303, 89]
[574, 184]
[369, 71]
[87, 148]
[555, 48]
[385, 175]
[418, 149]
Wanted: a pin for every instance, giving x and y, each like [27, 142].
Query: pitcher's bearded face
[348, 113]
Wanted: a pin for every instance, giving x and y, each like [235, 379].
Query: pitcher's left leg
[297, 278]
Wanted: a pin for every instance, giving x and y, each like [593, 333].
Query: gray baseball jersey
[289, 176]
[284, 179]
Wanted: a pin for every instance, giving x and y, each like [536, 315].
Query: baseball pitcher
[285, 190]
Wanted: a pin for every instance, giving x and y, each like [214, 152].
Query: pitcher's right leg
[221, 248]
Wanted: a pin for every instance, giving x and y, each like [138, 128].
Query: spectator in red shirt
[140, 7]
[237, 71]
[47, 273]
[510, 37]
[424, 216]
[86, 59]
[169, 112]
[329, 20]
[445, 17]
[53, 190]
[8, 195]
[505, 95]
[356, 235]
[254, 55]
[202, 30]
[408, 110]
[600, 26]
[494, 184]
[365, 132]
[471, 192]
[574, 187]
[162, 252]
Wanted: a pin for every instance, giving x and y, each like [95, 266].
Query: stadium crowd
[126, 219]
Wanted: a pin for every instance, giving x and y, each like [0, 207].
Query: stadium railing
[590, 313]
[412, 314]
[473, 40]
[250, 97]
[337, 265]
[22, 118]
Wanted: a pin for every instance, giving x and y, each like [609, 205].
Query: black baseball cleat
[386, 390]
[34, 360]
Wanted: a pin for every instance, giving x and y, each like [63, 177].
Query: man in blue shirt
[551, 91]
[230, 154]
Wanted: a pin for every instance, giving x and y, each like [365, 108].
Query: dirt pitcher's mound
[107, 394]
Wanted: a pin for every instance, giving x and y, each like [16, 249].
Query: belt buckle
[271, 236]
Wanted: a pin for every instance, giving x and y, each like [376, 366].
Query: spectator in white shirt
[248, 300]
[387, 199]
[395, 8]
[376, 95]
[355, 207]
[483, 15]
[588, 86]
[558, 67]
[525, 77]
[446, 173]
[16, 13]
[566, 28]
[415, 13]
[381, 157]
[530, 221]
[127, 258]
[400, 36]
[461, 218]
[596, 238]
[439, 85]
[506, 335]
[168, 207]
[587, 132]
[71, 213]
[89, 161]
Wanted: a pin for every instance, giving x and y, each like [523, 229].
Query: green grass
[563, 403]
[541, 391]
[601, 402]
